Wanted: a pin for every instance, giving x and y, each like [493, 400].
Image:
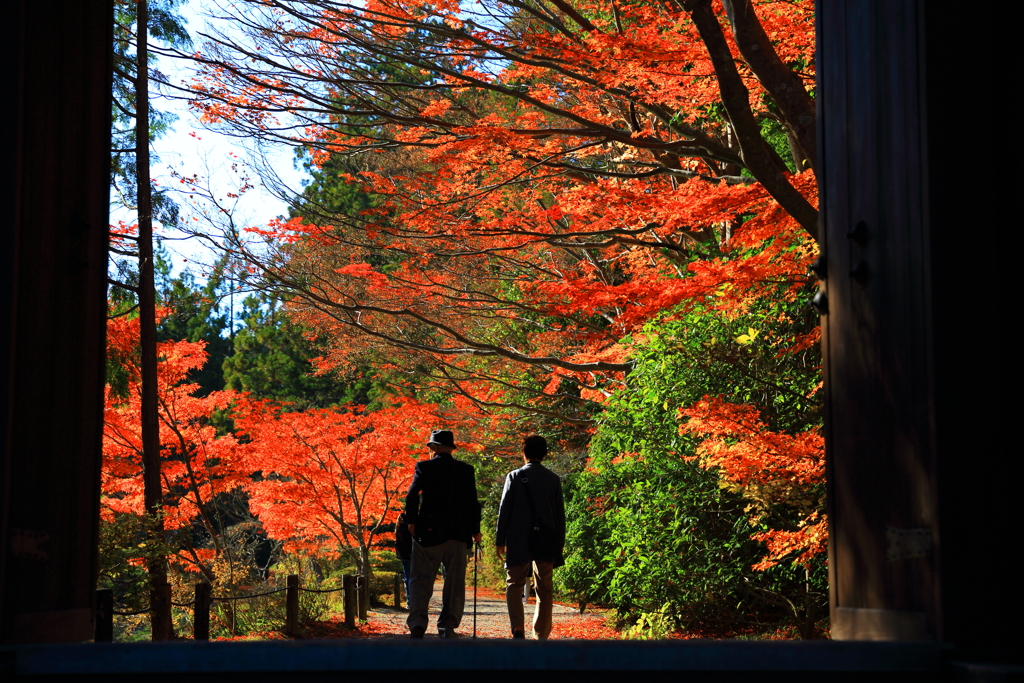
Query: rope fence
[356, 589]
[227, 598]
[131, 614]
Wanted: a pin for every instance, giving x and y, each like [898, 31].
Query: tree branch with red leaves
[548, 179]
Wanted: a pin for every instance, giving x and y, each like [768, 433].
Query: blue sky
[189, 148]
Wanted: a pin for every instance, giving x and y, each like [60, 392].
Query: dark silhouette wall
[919, 347]
[54, 310]
[919, 439]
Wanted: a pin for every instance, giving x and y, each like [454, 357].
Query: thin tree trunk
[161, 610]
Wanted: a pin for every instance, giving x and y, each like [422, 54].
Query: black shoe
[417, 633]
[443, 632]
[518, 635]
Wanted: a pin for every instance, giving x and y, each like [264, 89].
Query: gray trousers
[425, 563]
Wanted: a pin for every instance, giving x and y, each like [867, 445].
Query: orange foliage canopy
[330, 479]
[196, 464]
[322, 481]
[769, 468]
[551, 176]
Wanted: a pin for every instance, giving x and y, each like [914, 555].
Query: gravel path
[491, 619]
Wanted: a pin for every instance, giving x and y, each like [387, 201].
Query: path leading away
[491, 619]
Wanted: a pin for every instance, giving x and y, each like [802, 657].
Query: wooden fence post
[201, 612]
[291, 626]
[398, 589]
[363, 585]
[348, 583]
[160, 612]
[104, 616]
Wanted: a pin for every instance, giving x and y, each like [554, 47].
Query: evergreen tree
[168, 27]
[273, 359]
[196, 313]
[133, 131]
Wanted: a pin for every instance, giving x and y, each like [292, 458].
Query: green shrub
[383, 584]
[651, 625]
[651, 532]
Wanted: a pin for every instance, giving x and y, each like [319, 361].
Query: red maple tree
[551, 175]
[329, 482]
[770, 469]
[197, 464]
[324, 482]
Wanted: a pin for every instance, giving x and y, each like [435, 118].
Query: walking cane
[476, 561]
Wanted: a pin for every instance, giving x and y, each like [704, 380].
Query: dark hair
[535, 447]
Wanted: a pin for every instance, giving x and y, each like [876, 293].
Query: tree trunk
[364, 562]
[161, 610]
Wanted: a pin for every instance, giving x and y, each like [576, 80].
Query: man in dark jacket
[531, 527]
[442, 524]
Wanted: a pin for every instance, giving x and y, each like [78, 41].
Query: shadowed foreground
[483, 660]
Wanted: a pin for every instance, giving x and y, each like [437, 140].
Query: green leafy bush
[650, 531]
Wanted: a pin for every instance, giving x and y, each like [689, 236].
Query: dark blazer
[449, 509]
[515, 518]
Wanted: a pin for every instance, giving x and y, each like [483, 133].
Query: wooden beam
[55, 266]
